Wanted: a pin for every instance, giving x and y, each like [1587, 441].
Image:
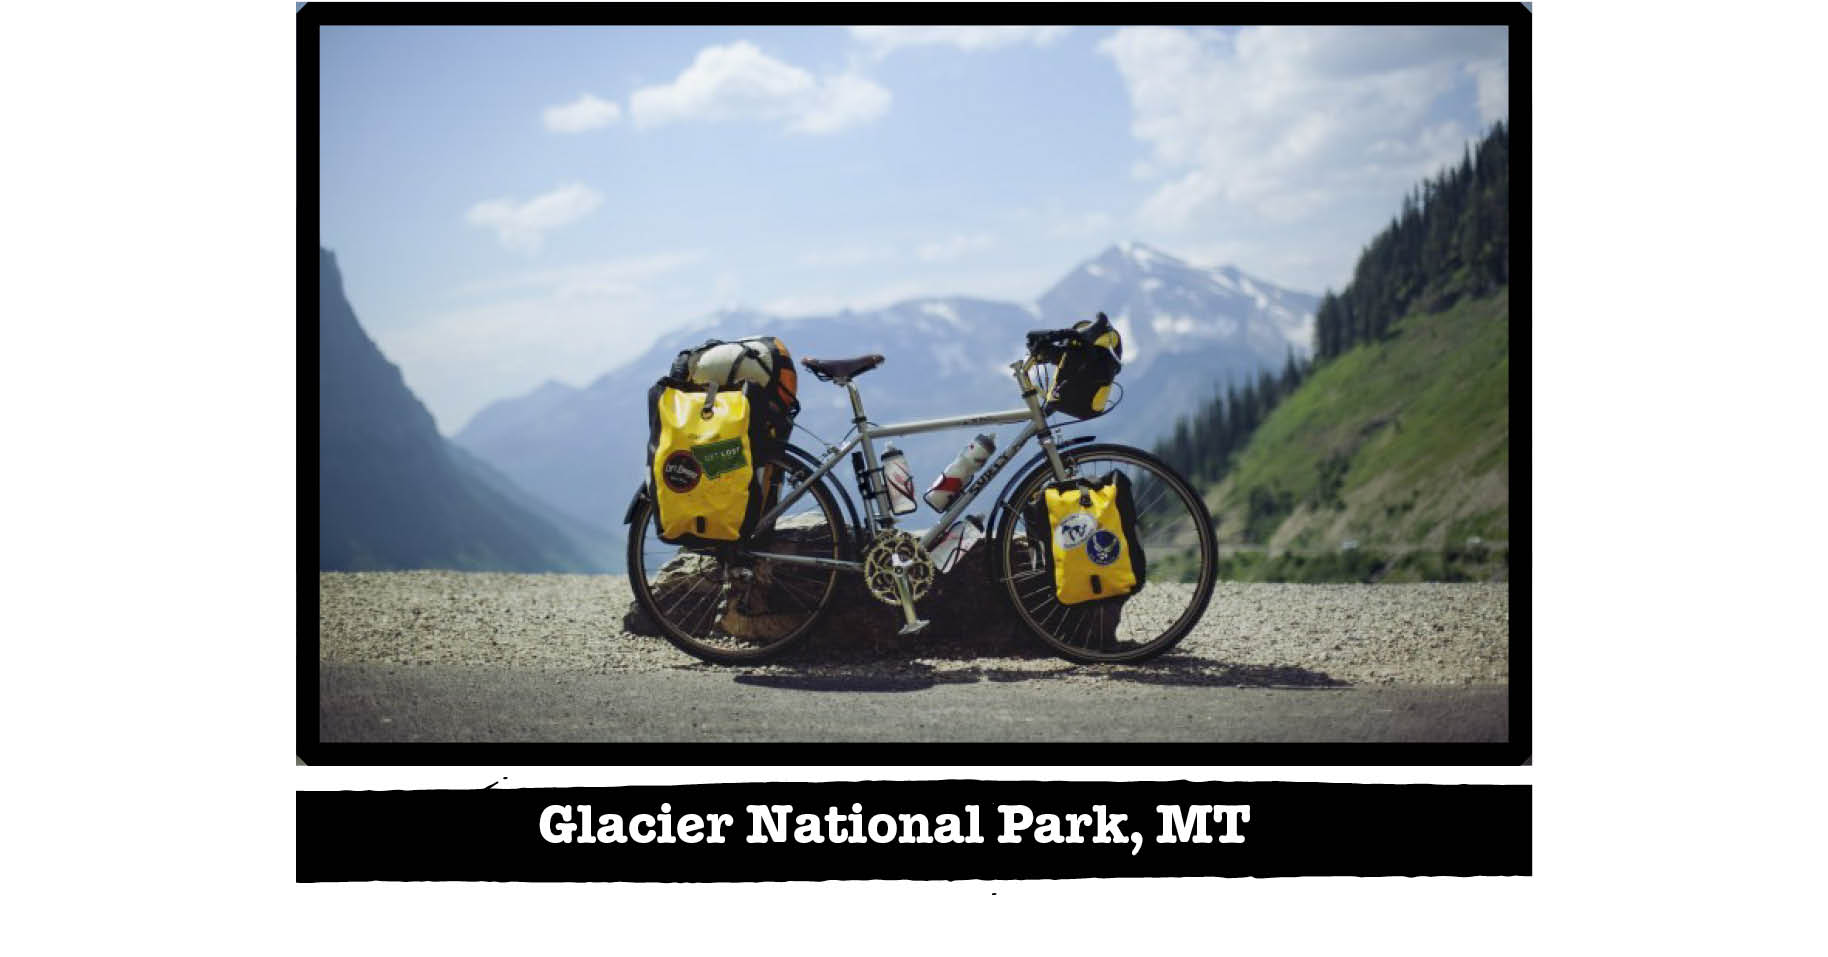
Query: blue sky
[511, 205]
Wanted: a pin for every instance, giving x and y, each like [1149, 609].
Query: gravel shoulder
[1253, 635]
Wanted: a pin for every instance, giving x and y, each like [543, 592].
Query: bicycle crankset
[895, 549]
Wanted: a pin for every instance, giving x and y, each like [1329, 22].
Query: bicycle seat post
[858, 418]
[872, 468]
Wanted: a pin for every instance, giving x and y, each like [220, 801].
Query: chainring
[892, 549]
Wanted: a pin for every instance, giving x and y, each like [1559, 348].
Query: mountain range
[1187, 332]
[394, 494]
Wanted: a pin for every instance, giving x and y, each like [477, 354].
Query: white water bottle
[900, 481]
[952, 480]
[958, 540]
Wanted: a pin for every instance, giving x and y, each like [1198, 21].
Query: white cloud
[1080, 226]
[461, 360]
[607, 277]
[885, 40]
[953, 247]
[726, 291]
[508, 334]
[523, 226]
[841, 101]
[584, 113]
[740, 82]
[1283, 122]
[809, 304]
[995, 283]
[862, 299]
[1493, 78]
[840, 256]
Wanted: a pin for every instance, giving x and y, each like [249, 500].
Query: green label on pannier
[720, 458]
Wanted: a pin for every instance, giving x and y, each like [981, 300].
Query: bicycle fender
[628, 517]
[1001, 512]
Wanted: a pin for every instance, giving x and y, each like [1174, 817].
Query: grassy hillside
[1401, 446]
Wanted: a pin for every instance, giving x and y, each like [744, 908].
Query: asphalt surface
[473, 657]
[397, 703]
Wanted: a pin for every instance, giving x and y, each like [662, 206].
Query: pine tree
[1450, 238]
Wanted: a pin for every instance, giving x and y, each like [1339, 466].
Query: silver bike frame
[864, 435]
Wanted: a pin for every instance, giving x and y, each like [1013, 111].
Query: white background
[150, 385]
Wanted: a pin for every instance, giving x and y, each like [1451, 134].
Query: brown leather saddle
[839, 370]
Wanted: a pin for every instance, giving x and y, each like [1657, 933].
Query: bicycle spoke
[707, 605]
[799, 598]
[685, 587]
[1159, 496]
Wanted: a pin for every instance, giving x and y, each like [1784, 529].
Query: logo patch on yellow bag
[1103, 547]
[719, 458]
[681, 471]
[1076, 528]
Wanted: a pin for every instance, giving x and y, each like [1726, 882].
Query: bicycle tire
[1071, 631]
[705, 593]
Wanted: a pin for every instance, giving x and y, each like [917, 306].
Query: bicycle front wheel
[1175, 531]
[722, 608]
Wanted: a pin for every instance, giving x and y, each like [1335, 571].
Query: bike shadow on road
[908, 675]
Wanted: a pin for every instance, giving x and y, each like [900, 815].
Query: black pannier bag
[1083, 378]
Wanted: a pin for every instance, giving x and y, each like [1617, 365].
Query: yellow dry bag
[1095, 551]
[701, 462]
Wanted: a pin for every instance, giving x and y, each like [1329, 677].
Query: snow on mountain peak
[1126, 335]
[1147, 257]
[942, 310]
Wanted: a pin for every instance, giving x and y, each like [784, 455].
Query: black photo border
[310, 750]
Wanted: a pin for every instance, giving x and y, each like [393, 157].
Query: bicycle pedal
[914, 627]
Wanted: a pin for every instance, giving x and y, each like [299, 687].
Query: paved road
[400, 703]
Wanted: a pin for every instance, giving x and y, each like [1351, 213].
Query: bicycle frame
[865, 434]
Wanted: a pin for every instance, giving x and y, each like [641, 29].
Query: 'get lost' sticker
[720, 458]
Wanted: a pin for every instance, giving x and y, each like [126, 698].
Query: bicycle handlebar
[1046, 344]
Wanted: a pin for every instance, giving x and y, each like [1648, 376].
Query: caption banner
[942, 830]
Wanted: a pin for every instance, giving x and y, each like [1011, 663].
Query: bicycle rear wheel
[721, 608]
[1175, 532]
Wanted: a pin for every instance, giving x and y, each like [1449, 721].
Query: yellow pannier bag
[1095, 551]
[701, 462]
